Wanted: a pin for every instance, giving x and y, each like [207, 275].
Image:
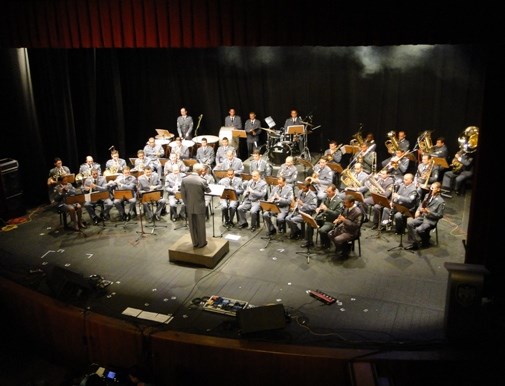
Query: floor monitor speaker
[263, 318]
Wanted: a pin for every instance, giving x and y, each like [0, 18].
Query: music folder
[403, 210]
[358, 196]
[97, 196]
[380, 199]
[309, 220]
[220, 173]
[268, 206]
[245, 176]
[271, 180]
[300, 185]
[164, 133]
[215, 190]
[441, 162]
[229, 194]
[125, 194]
[349, 149]
[75, 199]
[336, 167]
[155, 195]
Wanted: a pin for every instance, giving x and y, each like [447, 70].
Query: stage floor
[383, 298]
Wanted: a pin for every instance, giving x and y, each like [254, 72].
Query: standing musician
[148, 182]
[255, 190]
[367, 158]
[346, 227]
[232, 162]
[57, 171]
[222, 150]
[404, 194]
[326, 213]
[306, 202]
[233, 120]
[115, 165]
[141, 162]
[252, 128]
[153, 153]
[173, 183]
[60, 192]
[97, 183]
[173, 161]
[205, 154]
[383, 186]
[185, 124]
[288, 170]
[294, 119]
[281, 195]
[86, 168]
[427, 215]
[125, 181]
[322, 177]
[427, 173]
[461, 170]
[259, 164]
[229, 207]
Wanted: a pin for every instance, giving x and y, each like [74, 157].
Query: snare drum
[278, 153]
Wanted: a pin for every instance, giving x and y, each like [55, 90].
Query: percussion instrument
[278, 153]
[210, 139]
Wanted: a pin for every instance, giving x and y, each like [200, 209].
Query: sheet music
[215, 190]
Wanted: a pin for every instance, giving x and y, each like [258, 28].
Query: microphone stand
[141, 213]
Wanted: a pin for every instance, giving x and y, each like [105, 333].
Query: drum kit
[279, 146]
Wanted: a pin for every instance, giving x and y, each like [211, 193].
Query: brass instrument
[426, 175]
[82, 176]
[349, 180]
[112, 170]
[424, 141]
[392, 143]
[329, 156]
[468, 141]
[374, 186]
[357, 139]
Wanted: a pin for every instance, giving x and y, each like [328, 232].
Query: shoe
[201, 246]
[375, 226]
[386, 222]
[96, 220]
[271, 233]
[150, 219]
[244, 225]
[253, 229]
[365, 219]
[157, 217]
[307, 244]
[412, 247]
[425, 244]
[295, 236]
[382, 228]
[128, 217]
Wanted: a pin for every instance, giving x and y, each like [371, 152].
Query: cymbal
[307, 123]
[269, 130]
[209, 138]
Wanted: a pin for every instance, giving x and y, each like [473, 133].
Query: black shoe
[253, 228]
[307, 244]
[157, 217]
[413, 247]
[382, 228]
[375, 226]
[295, 236]
[96, 220]
[425, 244]
[271, 233]
[244, 225]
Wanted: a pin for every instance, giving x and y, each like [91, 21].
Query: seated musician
[326, 213]
[60, 192]
[221, 152]
[333, 153]
[426, 174]
[383, 185]
[205, 153]
[281, 195]
[461, 171]
[306, 202]
[57, 171]
[97, 183]
[115, 165]
[183, 152]
[346, 227]
[149, 182]
[439, 150]
[125, 181]
[232, 162]
[173, 161]
[398, 166]
[153, 152]
[322, 177]
[229, 207]
[259, 164]
[255, 190]
[141, 162]
[404, 194]
[367, 157]
[173, 186]
[86, 168]
[289, 171]
[427, 215]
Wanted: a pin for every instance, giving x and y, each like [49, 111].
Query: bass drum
[227, 132]
[278, 153]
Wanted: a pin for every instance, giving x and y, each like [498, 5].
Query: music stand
[216, 190]
[97, 196]
[132, 161]
[381, 200]
[220, 173]
[349, 149]
[310, 221]
[189, 163]
[150, 198]
[124, 195]
[271, 207]
[111, 177]
[300, 185]
[440, 162]
[239, 133]
[271, 180]
[245, 176]
[336, 167]
[406, 212]
[69, 178]
[228, 194]
[76, 199]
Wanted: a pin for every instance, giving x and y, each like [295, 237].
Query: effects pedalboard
[322, 297]
[223, 305]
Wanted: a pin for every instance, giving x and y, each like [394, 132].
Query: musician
[252, 128]
[398, 165]
[288, 170]
[360, 176]
[326, 213]
[173, 183]
[153, 153]
[174, 161]
[367, 158]
[255, 190]
[461, 171]
[86, 168]
[141, 162]
[97, 183]
[281, 195]
[115, 165]
[322, 177]
[346, 227]
[229, 207]
[333, 153]
[259, 164]
[232, 162]
[404, 194]
[439, 150]
[183, 152]
[382, 185]
[205, 154]
[370, 139]
[185, 124]
[306, 202]
[148, 182]
[60, 192]
[125, 181]
[294, 119]
[57, 171]
[426, 217]
[233, 120]
[222, 150]
[403, 144]
[426, 174]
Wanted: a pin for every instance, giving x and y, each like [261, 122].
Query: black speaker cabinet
[271, 317]
[68, 285]
[11, 192]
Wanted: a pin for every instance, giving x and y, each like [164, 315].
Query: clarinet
[391, 212]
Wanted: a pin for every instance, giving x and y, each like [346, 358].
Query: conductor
[193, 189]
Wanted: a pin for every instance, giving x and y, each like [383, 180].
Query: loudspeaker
[11, 192]
[271, 317]
[68, 285]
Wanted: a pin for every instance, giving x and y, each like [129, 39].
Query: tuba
[349, 180]
[424, 141]
[392, 143]
[468, 141]
[357, 139]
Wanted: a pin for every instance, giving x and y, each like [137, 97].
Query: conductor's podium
[183, 251]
